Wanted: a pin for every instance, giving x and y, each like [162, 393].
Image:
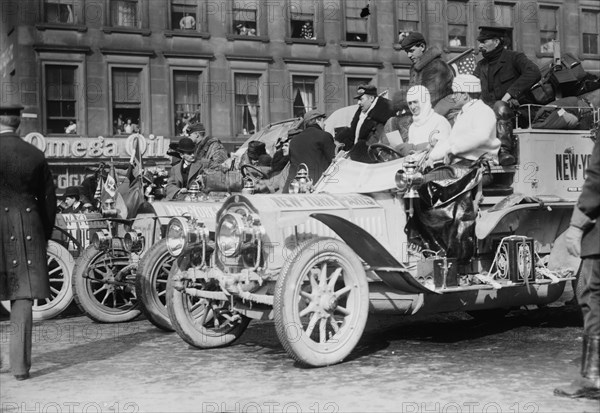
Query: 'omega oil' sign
[100, 147]
[571, 166]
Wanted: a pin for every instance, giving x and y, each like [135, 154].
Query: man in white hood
[474, 131]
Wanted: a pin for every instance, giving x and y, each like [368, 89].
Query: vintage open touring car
[319, 262]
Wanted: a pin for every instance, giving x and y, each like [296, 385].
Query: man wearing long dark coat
[27, 212]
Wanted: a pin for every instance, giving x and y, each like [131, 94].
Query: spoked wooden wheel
[103, 285]
[321, 302]
[60, 269]
[201, 322]
[151, 284]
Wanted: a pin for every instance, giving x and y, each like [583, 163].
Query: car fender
[373, 253]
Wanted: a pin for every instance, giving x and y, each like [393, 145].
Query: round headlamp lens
[176, 236]
[230, 235]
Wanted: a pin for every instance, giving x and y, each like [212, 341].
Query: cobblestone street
[448, 363]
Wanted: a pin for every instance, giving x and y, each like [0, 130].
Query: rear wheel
[103, 285]
[201, 322]
[60, 269]
[151, 284]
[321, 302]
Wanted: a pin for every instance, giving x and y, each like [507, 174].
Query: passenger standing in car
[428, 68]
[71, 203]
[313, 147]
[505, 76]
[583, 239]
[27, 212]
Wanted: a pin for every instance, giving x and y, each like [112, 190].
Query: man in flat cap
[313, 147]
[209, 151]
[367, 124]
[27, 212]
[505, 76]
[428, 68]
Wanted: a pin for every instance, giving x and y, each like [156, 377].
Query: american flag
[464, 64]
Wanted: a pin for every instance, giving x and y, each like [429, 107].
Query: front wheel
[103, 285]
[151, 284]
[201, 322]
[60, 269]
[321, 302]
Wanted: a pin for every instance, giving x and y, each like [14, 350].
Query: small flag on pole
[464, 64]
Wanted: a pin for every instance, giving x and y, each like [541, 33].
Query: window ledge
[187, 33]
[61, 26]
[117, 29]
[297, 40]
[263, 39]
[360, 44]
[584, 56]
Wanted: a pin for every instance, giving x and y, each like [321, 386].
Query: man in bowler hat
[27, 212]
[185, 172]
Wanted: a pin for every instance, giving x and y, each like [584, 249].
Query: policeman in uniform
[505, 76]
[583, 239]
[27, 212]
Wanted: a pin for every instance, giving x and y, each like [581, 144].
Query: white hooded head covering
[420, 94]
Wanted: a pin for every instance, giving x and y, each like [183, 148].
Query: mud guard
[373, 253]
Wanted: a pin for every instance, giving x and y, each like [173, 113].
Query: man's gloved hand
[573, 237]
[404, 149]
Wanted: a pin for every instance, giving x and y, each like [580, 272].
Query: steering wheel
[382, 153]
[252, 171]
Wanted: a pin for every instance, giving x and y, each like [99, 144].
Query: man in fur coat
[27, 212]
[428, 68]
[367, 124]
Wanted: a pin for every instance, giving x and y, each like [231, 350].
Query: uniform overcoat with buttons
[27, 212]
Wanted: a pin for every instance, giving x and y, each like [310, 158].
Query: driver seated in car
[426, 122]
[185, 172]
[474, 130]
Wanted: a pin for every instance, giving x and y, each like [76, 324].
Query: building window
[356, 26]
[504, 17]
[304, 94]
[59, 11]
[245, 18]
[126, 101]
[407, 13]
[353, 83]
[61, 100]
[184, 15]
[403, 86]
[302, 19]
[186, 97]
[591, 31]
[456, 12]
[548, 18]
[125, 13]
[247, 103]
